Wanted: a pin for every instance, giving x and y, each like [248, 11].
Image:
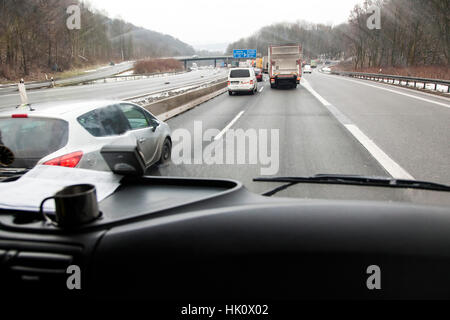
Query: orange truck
[285, 65]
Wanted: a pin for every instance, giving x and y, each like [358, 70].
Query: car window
[31, 139]
[240, 73]
[135, 116]
[104, 122]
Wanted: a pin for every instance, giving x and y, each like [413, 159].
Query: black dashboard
[166, 238]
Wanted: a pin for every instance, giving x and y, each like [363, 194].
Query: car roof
[58, 109]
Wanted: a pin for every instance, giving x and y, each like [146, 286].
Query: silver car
[72, 134]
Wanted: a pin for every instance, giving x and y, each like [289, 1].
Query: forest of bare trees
[413, 33]
[34, 38]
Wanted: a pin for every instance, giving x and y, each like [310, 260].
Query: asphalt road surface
[331, 125]
[113, 90]
[103, 72]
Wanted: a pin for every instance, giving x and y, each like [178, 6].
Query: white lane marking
[222, 133]
[392, 167]
[314, 93]
[398, 92]
[262, 89]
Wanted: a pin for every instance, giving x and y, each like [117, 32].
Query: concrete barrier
[173, 106]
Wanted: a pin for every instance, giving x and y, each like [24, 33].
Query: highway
[113, 90]
[328, 125]
[103, 72]
[331, 125]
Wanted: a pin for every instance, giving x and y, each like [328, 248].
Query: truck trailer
[285, 65]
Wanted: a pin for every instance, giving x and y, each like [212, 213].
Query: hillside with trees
[34, 38]
[414, 33]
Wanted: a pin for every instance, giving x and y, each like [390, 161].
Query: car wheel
[273, 86]
[166, 151]
[230, 93]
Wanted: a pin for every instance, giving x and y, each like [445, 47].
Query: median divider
[173, 106]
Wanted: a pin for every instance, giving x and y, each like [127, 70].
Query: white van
[242, 80]
[307, 69]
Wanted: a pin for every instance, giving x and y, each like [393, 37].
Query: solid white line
[314, 93]
[398, 92]
[392, 167]
[222, 133]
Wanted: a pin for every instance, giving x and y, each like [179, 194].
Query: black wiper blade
[353, 181]
[11, 174]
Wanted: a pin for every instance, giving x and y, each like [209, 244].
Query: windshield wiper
[11, 174]
[352, 181]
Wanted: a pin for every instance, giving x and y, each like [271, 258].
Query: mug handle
[43, 214]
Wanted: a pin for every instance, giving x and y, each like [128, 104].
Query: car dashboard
[175, 238]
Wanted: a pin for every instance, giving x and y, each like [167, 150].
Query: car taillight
[229, 82]
[19, 116]
[69, 160]
[251, 81]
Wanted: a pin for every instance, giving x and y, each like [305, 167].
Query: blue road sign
[244, 53]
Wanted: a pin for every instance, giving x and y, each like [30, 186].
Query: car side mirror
[124, 157]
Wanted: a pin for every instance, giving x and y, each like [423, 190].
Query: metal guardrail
[133, 76]
[49, 84]
[400, 79]
[184, 85]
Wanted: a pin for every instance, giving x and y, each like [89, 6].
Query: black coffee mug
[75, 206]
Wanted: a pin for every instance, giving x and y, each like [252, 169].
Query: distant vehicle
[194, 56]
[72, 134]
[242, 80]
[285, 65]
[112, 64]
[265, 67]
[259, 75]
[314, 64]
[244, 64]
[307, 69]
[259, 63]
[326, 69]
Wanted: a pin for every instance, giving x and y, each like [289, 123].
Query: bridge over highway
[226, 59]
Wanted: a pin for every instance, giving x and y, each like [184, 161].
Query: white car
[326, 70]
[242, 80]
[307, 69]
[72, 134]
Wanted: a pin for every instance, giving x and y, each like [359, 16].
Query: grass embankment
[39, 74]
[431, 72]
[157, 65]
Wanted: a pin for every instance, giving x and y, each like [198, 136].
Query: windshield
[32, 139]
[241, 73]
[331, 87]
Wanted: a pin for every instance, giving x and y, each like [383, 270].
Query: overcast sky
[203, 22]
